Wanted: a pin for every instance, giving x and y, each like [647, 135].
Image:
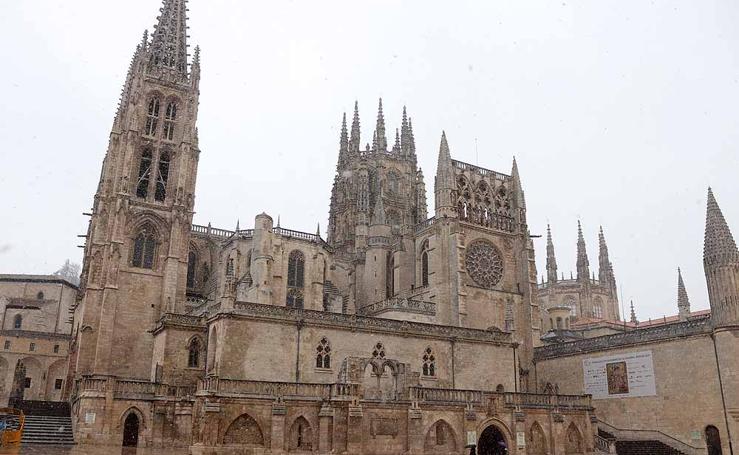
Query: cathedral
[399, 333]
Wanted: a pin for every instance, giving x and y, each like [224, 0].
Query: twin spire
[605, 272]
[350, 142]
[169, 40]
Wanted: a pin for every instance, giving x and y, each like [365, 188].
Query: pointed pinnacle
[719, 246]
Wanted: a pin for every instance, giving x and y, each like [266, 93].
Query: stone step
[45, 430]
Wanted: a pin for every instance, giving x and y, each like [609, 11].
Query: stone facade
[35, 335]
[399, 333]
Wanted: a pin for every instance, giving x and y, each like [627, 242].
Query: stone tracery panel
[484, 264]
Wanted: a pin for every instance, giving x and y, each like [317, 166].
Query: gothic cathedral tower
[135, 259]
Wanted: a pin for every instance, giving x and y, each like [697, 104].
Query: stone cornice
[245, 310]
[36, 335]
[620, 340]
[181, 321]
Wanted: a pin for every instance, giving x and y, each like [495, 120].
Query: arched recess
[132, 424]
[195, 351]
[33, 388]
[244, 430]
[440, 439]
[573, 440]
[537, 440]
[55, 373]
[713, 441]
[494, 437]
[301, 435]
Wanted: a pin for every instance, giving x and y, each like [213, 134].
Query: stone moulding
[634, 337]
[247, 310]
[399, 304]
[184, 321]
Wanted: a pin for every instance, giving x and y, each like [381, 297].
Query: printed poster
[620, 376]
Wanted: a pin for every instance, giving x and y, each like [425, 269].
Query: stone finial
[633, 314]
[413, 138]
[354, 139]
[343, 143]
[405, 135]
[237, 224]
[518, 187]
[444, 185]
[551, 259]
[683, 303]
[318, 230]
[380, 136]
[396, 147]
[583, 265]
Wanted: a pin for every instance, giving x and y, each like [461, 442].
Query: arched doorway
[492, 442]
[713, 441]
[131, 431]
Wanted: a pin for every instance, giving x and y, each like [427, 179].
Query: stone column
[354, 432]
[277, 442]
[325, 418]
[415, 429]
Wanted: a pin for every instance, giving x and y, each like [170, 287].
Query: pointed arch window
[169, 120]
[429, 363]
[295, 279]
[193, 353]
[425, 264]
[152, 117]
[144, 247]
[323, 355]
[192, 260]
[390, 278]
[142, 184]
[18, 322]
[162, 176]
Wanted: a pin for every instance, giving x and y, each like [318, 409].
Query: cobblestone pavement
[87, 450]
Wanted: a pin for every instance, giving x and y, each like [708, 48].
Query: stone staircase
[638, 442]
[48, 430]
[645, 448]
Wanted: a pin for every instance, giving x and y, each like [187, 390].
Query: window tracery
[295, 279]
[193, 354]
[323, 355]
[169, 120]
[379, 351]
[162, 176]
[142, 184]
[143, 249]
[482, 203]
[191, 263]
[152, 117]
[484, 264]
[429, 363]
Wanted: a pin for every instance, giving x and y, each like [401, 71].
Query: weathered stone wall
[688, 397]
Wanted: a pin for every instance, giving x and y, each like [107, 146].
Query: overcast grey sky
[619, 113]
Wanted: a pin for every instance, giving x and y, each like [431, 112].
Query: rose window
[484, 264]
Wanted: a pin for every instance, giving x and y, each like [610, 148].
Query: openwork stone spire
[444, 184]
[354, 143]
[551, 259]
[583, 265]
[343, 143]
[719, 247]
[721, 264]
[605, 267]
[412, 138]
[169, 41]
[380, 136]
[396, 147]
[683, 304]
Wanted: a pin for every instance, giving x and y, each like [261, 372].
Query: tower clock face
[484, 264]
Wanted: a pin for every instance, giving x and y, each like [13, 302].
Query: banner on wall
[620, 376]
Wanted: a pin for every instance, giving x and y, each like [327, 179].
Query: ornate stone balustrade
[510, 399]
[424, 224]
[399, 304]
[639, 336]
[210, 231]
[281, 314]
[479, 170]
[130, 389]
[297, 390]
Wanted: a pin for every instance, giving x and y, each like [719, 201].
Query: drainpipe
[453, 341]
[299, 325]
[723, 398]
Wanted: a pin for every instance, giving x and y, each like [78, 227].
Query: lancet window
[162, 176]
[144, 247]
[425, 263]
[295, 279]
[191, 263]
[193, 353]
[390, 279]
[323, 354]
[429, 363]
[152, 117]
[169, 120]
[142, 185]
